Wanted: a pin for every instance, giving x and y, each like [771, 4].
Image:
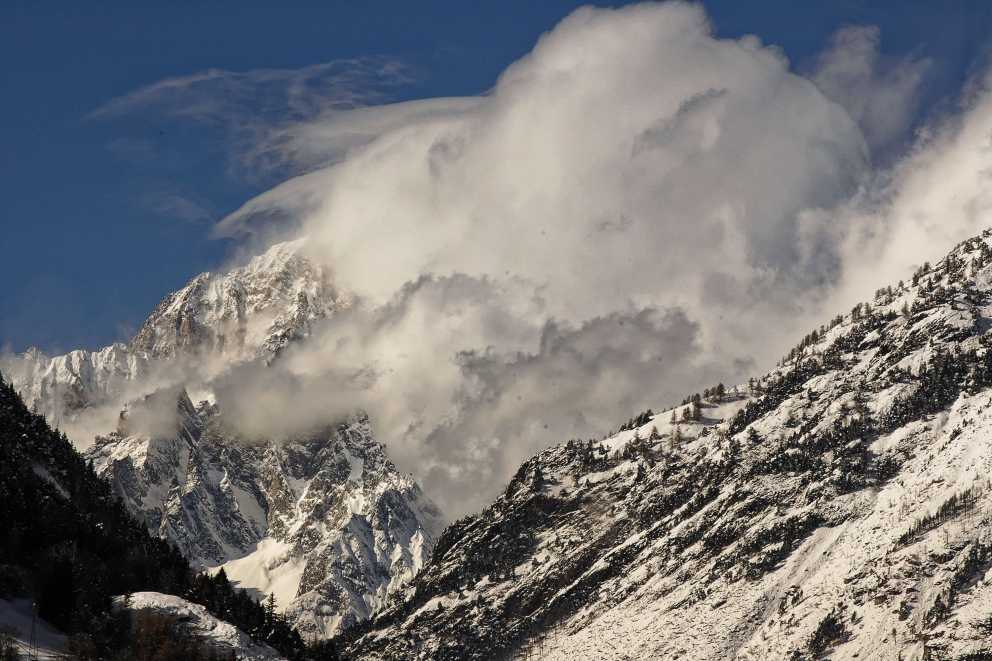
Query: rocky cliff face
[216, 320]
[837, 506]
[59, 386]
[245, 313]
[325, 522]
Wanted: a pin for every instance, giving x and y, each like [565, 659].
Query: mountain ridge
[217, 319]
[70, 551]
[832, 506]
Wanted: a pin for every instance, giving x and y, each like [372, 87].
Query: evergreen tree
[270, 609]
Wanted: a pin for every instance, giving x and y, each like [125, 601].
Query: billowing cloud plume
[622, 220]
[635, 211]
[466, 377]
[939, 194]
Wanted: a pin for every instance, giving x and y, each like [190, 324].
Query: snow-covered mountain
[216, 320]
[325, 522]
[247, 312]
[69, 550]
[837, 506]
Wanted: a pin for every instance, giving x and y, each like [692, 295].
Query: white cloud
[178, 206]
[619, 222]
[635, 211]
[938, 195]
[880, 93]
[253, 105]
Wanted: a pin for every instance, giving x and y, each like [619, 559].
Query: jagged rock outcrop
[836, 506]
[324, 522]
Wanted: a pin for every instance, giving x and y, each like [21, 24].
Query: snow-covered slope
[60, 386]
[325, 523]
[216, 320]
[32, 637]
[198, 622]
[837, 506]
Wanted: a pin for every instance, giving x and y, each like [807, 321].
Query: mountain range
[322, 521]
[835, 506]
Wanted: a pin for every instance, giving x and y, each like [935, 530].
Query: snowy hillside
[199, 623]
[32, 637]
[216, 320]
[325, 523]
[837, 506]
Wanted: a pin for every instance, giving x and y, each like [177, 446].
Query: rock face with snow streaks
[325, 522]
[250, 311]
[837, 506]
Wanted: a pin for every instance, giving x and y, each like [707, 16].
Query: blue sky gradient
[100, 216]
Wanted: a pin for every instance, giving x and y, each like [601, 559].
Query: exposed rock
[325, 522]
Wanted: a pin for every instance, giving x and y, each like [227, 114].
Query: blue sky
[101, 215]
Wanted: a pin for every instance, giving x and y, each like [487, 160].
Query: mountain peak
[245, 312]
[248, 312]
[323, 521]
